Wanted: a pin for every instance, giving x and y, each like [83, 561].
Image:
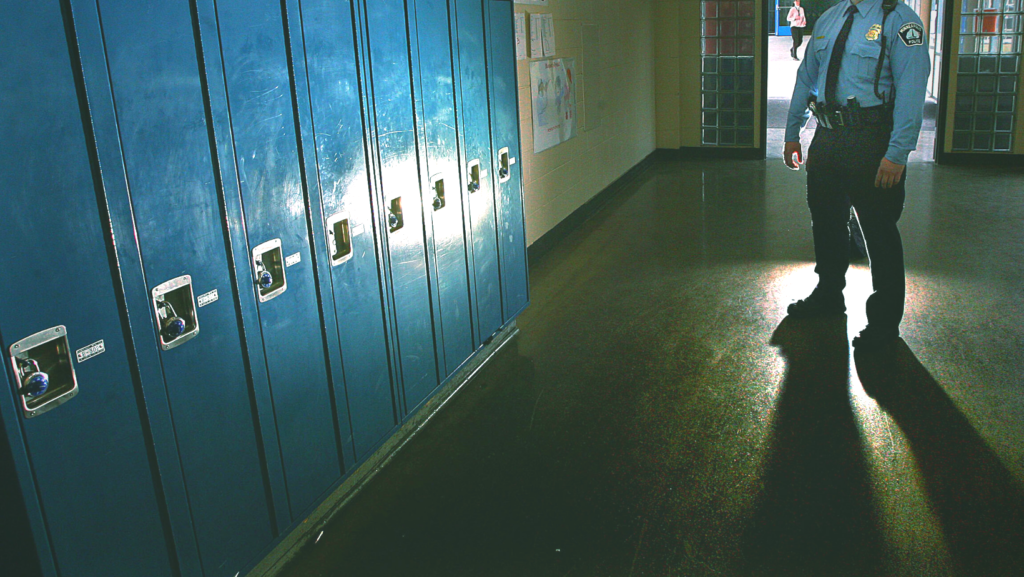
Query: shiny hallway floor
[658, 416]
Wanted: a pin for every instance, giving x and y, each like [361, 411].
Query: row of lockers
[243, 240]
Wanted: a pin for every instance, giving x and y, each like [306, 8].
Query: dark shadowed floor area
[658, 415]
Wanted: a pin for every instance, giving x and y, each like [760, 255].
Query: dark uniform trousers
[841, 168]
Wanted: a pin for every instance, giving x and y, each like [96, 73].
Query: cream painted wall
[677, 72]
[618, 97]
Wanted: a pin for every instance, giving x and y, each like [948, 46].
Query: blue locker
[252, 43]
[164, 140]
[78, 448]
[443, 197]
[475, 122]
[344, 183]
[505, 141]
[394, 128]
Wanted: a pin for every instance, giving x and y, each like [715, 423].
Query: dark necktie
[832, 76]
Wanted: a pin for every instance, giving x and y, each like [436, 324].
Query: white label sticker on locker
[207, 298]
[357, 230]
[292, 259]
[85, 353]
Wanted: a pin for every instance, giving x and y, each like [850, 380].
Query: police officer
[864, 77]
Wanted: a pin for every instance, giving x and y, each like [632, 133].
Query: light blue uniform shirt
[904, 73]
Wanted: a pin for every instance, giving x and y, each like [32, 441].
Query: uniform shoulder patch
[912, 34]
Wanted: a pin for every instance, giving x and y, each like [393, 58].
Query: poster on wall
[553, 92]
[569, 108]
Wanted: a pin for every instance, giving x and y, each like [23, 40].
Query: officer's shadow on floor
[815, 513]
[979, 503]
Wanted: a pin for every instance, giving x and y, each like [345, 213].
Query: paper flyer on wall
[520, 36]
[548, 34]
[536, 36]
[553, 89]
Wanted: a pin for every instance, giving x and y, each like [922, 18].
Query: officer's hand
[787, 155]
[889, 173]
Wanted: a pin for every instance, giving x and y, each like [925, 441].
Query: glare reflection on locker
[476, 146]
[445, 190]
[395, 131]
[291, 186]
[344, 184]
[252, 41]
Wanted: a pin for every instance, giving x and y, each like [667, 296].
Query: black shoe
[873, 339]
[792, 52]
[817, 305]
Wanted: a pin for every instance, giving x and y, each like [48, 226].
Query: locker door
[443, 186]
[505, 142]
[334, 88]
[252, 43]
[164, 139]
[476, 133]
[83, 466]
[395, 129]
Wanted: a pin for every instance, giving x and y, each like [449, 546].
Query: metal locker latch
[395, 220]
[45, 376]
[505, 163]
[339, 238]
[175, 308]
[268, 264]
[437, 186]
[473, 168]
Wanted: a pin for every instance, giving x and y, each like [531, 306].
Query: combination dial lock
[34, 382]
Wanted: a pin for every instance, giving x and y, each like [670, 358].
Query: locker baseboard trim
[309, 529]
[553, 237]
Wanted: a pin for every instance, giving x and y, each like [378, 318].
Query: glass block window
[727, 37]
[987, 77]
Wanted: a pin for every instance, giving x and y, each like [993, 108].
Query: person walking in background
[797, 22]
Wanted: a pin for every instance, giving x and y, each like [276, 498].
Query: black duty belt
[833, 117]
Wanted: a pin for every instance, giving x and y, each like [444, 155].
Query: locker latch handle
[395, 220]
[473, 168]
[268, 264]
[505, 163]
[175, 308]
[437, 186]
[44, 375]
[339, 238]
[34, 382]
